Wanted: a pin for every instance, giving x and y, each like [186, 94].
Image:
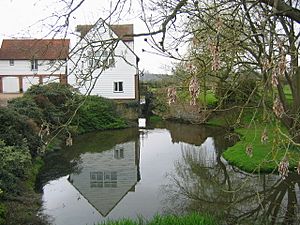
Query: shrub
[2, 213]
[28, 107]
[16, 128]
[235, 93]
[55, 101]
[15, 164]
[98, 113]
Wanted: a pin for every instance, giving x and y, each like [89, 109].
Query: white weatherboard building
[24, 62]
[104, 63]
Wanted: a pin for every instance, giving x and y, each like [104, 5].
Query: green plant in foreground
[191, 219]
[2, 213]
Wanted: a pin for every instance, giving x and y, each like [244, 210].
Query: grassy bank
[265, 157]
[191, 219]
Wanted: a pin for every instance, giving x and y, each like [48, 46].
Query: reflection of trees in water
[203, 182]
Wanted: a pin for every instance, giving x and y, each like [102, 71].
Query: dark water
[167, 168]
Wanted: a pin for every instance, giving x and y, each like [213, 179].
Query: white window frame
[118, 86]
[34, 64]
[119, 153]
[104, 179]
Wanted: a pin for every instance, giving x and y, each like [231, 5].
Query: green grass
[155, 118]
[266, 157]
[191, 219]
[288, 92]
[211, 99]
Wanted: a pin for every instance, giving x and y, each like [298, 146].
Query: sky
[26, 19]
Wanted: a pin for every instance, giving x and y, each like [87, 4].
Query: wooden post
[21, 84]
[1, 85]
[63, 79]
[40, 79]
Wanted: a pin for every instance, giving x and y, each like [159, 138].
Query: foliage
[191, 219]
[265, 157]
[236, 92]
[55, 101]
[97, 113]
[26, 106]
[15, 164]
[2, 213]
[37, 164]
[16, 128]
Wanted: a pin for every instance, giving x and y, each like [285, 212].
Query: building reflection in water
[105, 178]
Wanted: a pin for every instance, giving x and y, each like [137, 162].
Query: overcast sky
[25, 18]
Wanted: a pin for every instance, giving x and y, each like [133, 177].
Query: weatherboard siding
[100, 82]
[23, 67]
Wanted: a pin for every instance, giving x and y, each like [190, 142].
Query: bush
[2, 214]
[28, 107]
[56, 101]
[235, 93]
[98, 113]
[15, 164]
[15, 129]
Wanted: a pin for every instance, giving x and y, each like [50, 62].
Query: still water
[163, 168]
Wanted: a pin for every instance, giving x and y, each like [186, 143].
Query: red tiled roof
[51, 49]
[83, 29]
[123, 31]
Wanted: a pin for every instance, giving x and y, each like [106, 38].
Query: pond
[164, 168]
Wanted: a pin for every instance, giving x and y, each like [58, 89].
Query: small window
[119, 153]
[11, 62]
[118, 86]
[34, 64]
[104, 54]
[112, 62]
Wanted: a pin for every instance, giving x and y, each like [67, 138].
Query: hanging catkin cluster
[278, 108]
[274, 78]
[280, 68]
[215, 53]
[249, 150]
[194, 89]
[264, 137]
[282, 60]
[283, 168]
[171, 95]
[266, 65]
[69, 140]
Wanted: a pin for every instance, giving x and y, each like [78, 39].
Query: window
[101, 58]
[106, 179]
[119, 153]
[118, 86]
[11, 62]
[111, 62]
[34, 64]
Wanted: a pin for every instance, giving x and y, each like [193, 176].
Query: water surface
[168, 168]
